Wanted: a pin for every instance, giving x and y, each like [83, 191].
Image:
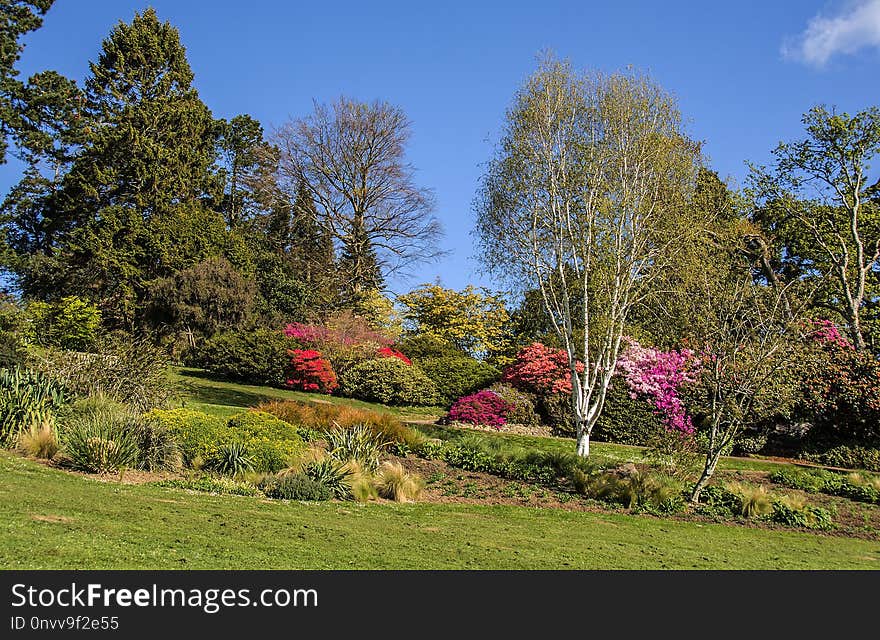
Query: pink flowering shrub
[659, 375]
[826, 332]
[345, 339]
[540, 369]
[388, 352]
[483, 407]
[309, 371]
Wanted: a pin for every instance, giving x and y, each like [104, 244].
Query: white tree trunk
[583, 444]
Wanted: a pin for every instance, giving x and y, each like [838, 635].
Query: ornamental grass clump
[393, 482]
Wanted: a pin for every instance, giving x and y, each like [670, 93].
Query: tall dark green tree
[238, 141]
[135, 196]
[17, 17]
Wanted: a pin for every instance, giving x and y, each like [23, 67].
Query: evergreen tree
[17, 17]
[238, 142]
[135, 195]
[358, 267]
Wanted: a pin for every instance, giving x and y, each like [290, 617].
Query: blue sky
[743, 71]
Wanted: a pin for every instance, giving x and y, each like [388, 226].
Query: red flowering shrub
[344, 338]
[484, 407]
[388, 352]
[310, 371]
[540, 369]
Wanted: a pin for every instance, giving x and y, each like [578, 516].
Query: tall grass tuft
[755, 500]
[39, 441]
[393, 482]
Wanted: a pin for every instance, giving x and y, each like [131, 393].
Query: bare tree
[584, 201]
[351, 157]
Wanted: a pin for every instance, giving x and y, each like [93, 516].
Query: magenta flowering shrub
[483, 407]
[826, 332]
[659, 375]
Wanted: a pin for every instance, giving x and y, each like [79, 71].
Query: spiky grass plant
[358, 442]
[233, 460]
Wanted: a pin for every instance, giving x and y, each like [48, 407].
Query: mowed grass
[223, 398]
[55, 520]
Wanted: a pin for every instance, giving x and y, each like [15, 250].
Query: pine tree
[17, 17]
[358, 267]
[135, 194]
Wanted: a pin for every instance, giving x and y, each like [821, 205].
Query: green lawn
[222, 398]
[55, 520]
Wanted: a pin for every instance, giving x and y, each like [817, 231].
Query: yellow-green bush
[270, 442]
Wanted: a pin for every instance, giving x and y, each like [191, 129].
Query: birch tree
[819, 201]
[583, 201]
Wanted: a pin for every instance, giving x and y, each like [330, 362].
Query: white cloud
[855, 28]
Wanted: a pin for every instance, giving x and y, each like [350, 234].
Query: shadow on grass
[221, 395]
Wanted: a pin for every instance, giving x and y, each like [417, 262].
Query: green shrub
[829, 482]
[389, 381]
[297, 486]
[132, 370]
[101, 441]
[750, 443]
[255, 357]
[719, 501]
[68, 323]
[455, 376]
[807, 517]
[271, 442]
[848, 457]
[523, 404]
[27, 398]
[418, 347]
[198, 434]
[16, 333]
[626, 420]
[207, 484]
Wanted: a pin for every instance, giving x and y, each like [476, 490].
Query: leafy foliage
[232, 459]
[522, 403]
[541, 370]
[483, 408]
[297, 486]
[625, 419]
[132, 370]
[70, 323]
[256, 357]
[457, 375]
[474, 320]
[310, 371]
[389, 381]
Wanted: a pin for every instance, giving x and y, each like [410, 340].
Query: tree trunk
[708, 470]
[583, 443]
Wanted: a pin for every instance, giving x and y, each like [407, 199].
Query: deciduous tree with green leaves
[818, 204]
[586, 194]
[474, 320]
